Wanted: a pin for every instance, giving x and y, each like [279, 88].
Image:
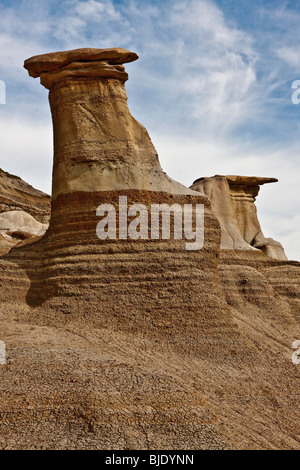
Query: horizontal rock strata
[16, 194]
[140, 344]
[233, 202]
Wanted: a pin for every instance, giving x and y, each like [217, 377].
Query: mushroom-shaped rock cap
[249, 180]
[55, 60]
[237, 180]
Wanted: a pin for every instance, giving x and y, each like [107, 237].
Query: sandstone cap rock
[239, 180]
[39, 64]
[249, 180]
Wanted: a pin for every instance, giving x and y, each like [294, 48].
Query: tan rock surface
[18, 225]
[20, 220]
[15, 194]
[244, 191]
[56, 60]
[122, 344]
[218, 191]
[245, 181]
[98, 145]
[6, 243]
[233, 202]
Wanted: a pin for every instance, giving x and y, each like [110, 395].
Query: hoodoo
[136, 342]
[233, 203]
[98, 145]
[101, 153]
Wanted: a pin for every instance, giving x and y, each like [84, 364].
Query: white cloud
[208, 66]
[96, 10]
[91, 23]
[26, 150]
[290, 55]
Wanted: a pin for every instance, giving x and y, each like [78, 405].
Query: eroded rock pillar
[98, 145]
[233, 202]
[100, 154]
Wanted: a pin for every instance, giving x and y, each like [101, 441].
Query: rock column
[101, 153]
[98, 145]
[233, 203]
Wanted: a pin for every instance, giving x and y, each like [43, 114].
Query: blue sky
[212, 86]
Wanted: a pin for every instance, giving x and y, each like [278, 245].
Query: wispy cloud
[290, 55]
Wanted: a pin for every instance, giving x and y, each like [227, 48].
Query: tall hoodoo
[98, 145]
[141, 344]
[101, 153]
[233, 203]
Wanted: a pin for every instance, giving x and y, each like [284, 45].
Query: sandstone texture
[98, 145]
[15, 194]
[233, 199]
[6, 243]
[16, 226]
[44, 63]
[12, 221]
[140, 344]
[24, 211]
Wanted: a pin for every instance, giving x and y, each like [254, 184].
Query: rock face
[233, 199]
[16, 226]
[6, 243]
[15, 194]
[98, 145]
[137, 343]
[12, 221]
[24, 211]
[38, 65]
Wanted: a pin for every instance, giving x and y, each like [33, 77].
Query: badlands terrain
[138, 343]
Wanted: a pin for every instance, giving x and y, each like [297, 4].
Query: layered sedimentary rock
[136, 343]
[24, 211]
[98, 145]
[16, 194]
[143, 291]
[101, 153]
[16, 226]
[6, 244]
[12, 221]
[233, 202]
